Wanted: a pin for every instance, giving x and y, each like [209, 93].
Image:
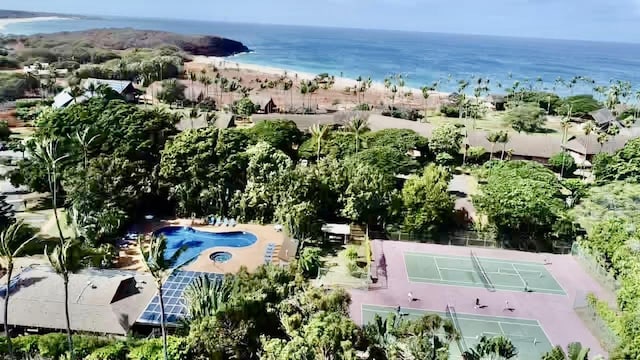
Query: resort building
[100, 301]
[264, 104]
[121, 87]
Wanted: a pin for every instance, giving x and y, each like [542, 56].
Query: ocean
[422, 58]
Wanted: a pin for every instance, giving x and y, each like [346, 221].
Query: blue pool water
[196, 241]
[220, 256]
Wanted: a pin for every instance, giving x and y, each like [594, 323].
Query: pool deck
[250, 257]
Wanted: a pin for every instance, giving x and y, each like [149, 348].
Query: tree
[426, 199]
[503, 138]
[153, 256]
[575, 351]
[76, 92]
[493, 138]
[46, 155]
[319, 133]
[172, 91]
[369, 196]
[357, 125]
[10, 249]
[563, 163]
[5, 131]
[244, 107]
[66, 258]
[283, 135]
[446, 139]
[309, 261]
[206, 297]
[491, 348]
[588, 128]
[527, 118]
[193, 114]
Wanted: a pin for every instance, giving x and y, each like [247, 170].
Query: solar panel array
[174, 305]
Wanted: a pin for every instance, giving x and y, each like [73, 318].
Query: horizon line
[516, 37]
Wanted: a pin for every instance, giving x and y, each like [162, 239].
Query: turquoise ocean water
[422, 57]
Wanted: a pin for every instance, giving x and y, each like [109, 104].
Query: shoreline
[9, 21]
[340, 82]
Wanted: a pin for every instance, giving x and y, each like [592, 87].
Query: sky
[600, 20]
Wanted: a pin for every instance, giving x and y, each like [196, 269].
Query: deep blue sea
[422, 57]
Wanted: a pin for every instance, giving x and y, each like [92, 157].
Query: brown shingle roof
[100, 301]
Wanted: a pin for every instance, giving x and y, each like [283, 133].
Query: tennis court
[472, 271]
[526, 335]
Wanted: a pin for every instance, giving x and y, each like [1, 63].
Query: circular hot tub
[220, 256]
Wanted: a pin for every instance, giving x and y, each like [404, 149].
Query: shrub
[362, 107]
[5, 132]
[406, 114]
[451, 111]
[354, 269]
[84, 345]
[475, 154]
[115, 351]
[351, 253]
[52, 345]
[244, 107]
[445, 159]
[563, 162]
[25, 345]
[7, 63]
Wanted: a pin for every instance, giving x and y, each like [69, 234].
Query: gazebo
[337, 231]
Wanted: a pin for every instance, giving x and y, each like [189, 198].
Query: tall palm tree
[84, 141]
[425, 95]
[491, 348]
[565, 124]
[66, 258]
[10, 249]
[46, 153]
[603, 137]
[493, 138]
[357, 125]
[588, 128]
[319, 132]
[159, 267]
[503, 139]
[193, 77]
[193, 114]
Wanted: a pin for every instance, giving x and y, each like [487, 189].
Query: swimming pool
[196, 241]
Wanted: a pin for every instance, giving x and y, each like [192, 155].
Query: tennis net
[451, 314]
[483, 274]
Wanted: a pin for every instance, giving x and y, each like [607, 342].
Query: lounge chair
[219, 222]
[226, 222]
[232, 222]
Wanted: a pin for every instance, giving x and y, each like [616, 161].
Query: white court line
[438, 267]
[524, 283]
[473, 284]
[460, 315]
[493, 272]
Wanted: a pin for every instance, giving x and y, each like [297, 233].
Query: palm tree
[319, 132]
[603, 137]
[382, 333]
[10, 249]
[154, 259]
[92, 87]
[84, 141]
[357, 125]
[66, 258]
[75, 92]
[46, 153]
[193, 114]
[193, 78]
[588, 128]
[425, 95]
[565, 124]
[206, 298]
[491, 348]
[503, 139]
[575, 351]
[493, 138]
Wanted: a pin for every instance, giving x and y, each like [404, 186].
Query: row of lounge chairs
[219, 221]
[268, 253]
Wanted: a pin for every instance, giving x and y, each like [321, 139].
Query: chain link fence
[595, 266]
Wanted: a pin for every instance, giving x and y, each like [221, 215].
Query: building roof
[261, 100]
[337, 229]
[603, 117]
[100, 301]
[62, 99]
[589, 145]
[534, 145]
[224, 120]
[496, 98]
[118, 86]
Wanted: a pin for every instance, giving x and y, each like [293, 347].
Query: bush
[406, 114]
[7, 63]
[177, 349]
[244, 107]
[563, 162]
[451, 111]
[115, 351]
[25, 345]
[52, 346]
[5, 132]
[84, 345]
[445, 159]
[354, 269]
[475, 154]
[351, 253]
[363, 107]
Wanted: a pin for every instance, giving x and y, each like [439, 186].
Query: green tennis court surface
[480, 272]
[526, 335]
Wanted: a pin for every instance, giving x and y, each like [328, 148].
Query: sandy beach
[337, 97]
[5, 22]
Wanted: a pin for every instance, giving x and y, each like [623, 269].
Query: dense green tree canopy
[525, 118]
[280, 134]
[446, 139]
[623, 165]
[428, 204]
